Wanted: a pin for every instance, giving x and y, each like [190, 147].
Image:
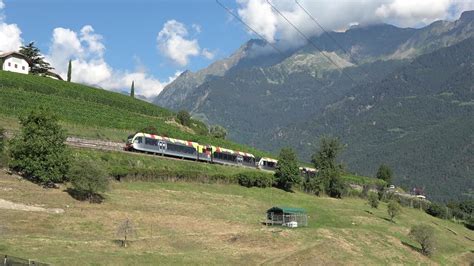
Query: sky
[114, 42]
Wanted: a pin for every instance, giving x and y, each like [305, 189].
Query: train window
[140, 140]
[181, 148]
[152, 142]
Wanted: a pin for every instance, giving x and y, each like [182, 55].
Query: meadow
[197, 223]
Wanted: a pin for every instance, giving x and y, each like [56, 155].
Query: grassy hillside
[214, 224]
[94, 113]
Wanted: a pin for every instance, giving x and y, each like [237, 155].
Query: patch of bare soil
[8, 205]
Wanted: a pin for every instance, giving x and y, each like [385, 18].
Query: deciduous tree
[125, 230]
[89, 179]
[39, 152]
[385, 173]
[425, 236]
[184, 118]
[329, 170]
[287, 172]
[393, 209]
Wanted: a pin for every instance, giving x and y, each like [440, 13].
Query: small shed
[286, 215]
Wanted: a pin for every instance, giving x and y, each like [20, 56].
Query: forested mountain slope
[293, 99]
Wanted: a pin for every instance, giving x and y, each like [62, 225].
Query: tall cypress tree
[132, 90]
[69, 71]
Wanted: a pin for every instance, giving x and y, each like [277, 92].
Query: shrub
[393, 209]
[425, 236]
[39, 152]
[218, 132]
[373, 200]
[184, 118]
[89, 179]
[255, 179]
[3, 155]
[437, 210]
[469, 223]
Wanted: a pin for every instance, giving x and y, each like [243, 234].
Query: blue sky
[115, 42]
[130, 28]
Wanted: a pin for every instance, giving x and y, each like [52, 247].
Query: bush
[39, 152]
[89, 179]
[373, 200]
[218, 132]
[425, 236]
[255, 179]
[469, 223]
[3, 156]
[393, 209]
[184, 118]
[437, 210]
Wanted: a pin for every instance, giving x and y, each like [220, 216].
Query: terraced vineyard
[95, 113]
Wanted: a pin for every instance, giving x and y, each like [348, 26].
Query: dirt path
[8, 205]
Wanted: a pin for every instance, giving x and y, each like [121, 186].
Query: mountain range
[399, 96]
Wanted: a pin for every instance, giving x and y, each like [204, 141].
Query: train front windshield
[129, 139]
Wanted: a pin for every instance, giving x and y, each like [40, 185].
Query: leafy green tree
[287, 172]
[373, 200]
[184, 118]
[89, 179]
[69, 71]
[329, 170]
[39, 65]
[218, 132]
[385, 173]
[393, 209]
[424, 235]
[39, 151]
[132, 90]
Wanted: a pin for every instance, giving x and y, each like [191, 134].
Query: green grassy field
[95, 113]
[198, 223]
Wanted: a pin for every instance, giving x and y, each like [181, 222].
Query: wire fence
[7, 260]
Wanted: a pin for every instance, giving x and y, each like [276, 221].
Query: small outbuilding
[287, 216]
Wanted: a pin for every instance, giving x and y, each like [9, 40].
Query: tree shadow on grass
[417, 249]
[82, 196]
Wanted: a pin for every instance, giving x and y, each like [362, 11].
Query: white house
[15, 62]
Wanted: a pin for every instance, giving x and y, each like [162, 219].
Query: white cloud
[86, 50]
[337, 15]
[10, 34]
[197, 28]
[173, 44]
[208, 54]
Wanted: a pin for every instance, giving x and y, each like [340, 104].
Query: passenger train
[177, 148]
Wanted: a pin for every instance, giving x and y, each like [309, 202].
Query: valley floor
[213, 224]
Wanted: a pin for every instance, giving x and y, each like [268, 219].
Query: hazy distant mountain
[270, 101]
